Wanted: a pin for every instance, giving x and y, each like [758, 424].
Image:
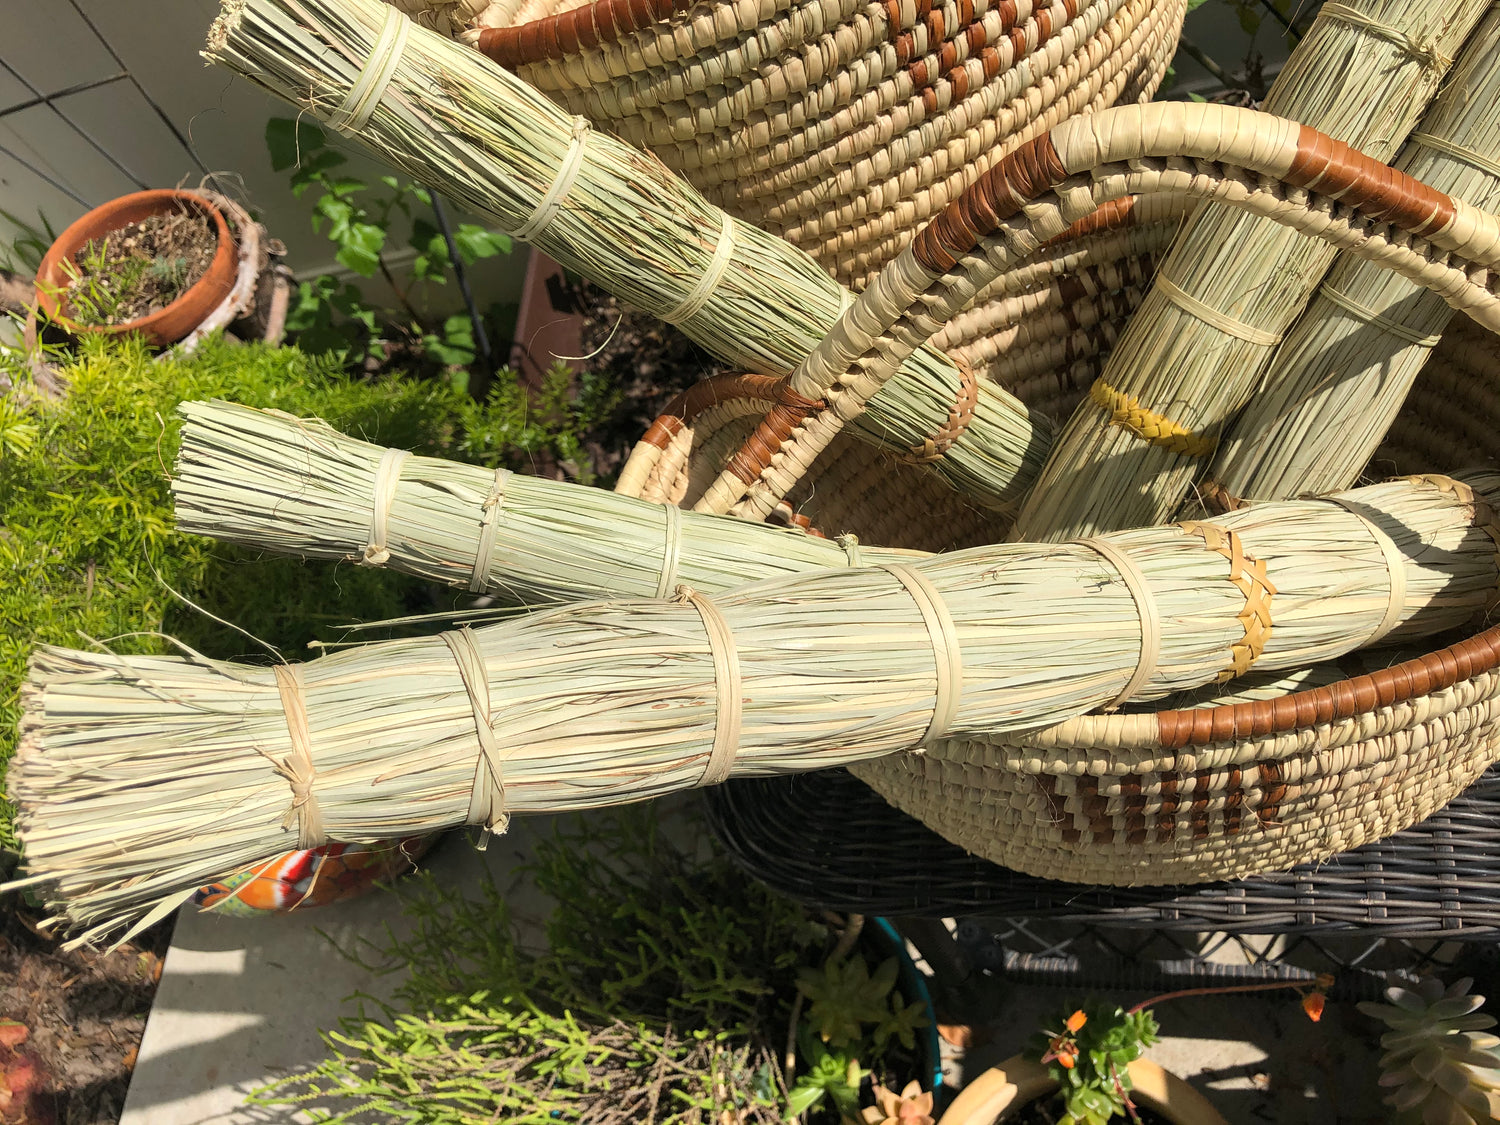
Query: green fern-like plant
[1439, 1059]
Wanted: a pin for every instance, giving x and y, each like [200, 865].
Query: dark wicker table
[1397, 905]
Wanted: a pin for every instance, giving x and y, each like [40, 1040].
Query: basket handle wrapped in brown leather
[1260, 163]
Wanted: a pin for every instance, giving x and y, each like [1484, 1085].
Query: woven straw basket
[1213, 791]
[841, 125]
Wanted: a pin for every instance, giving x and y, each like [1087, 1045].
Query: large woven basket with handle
[1178, 795]
[842, 125]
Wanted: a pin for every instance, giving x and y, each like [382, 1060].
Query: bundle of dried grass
[484, 138]
[1233, 283]
[138, 779]
[1340, 376]
[294, 486]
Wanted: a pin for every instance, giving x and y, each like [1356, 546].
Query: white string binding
[387, 476]
[354, 112]
[671, 551]
[693, 303]
[1145, 608]
[948, 660]
[489, 530]
[1395, 564]
[557, 194]
[487, 804]
[728, 687]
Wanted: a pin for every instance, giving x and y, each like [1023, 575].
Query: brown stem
[1220, 990]
[401, 296]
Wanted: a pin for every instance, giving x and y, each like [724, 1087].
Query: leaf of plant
[360, 248]
[287, 141]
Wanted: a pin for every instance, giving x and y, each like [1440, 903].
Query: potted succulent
[154, 262]
[1442, 1065]
[1089, 1070]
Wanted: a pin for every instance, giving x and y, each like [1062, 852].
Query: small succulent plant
[1439, 1058]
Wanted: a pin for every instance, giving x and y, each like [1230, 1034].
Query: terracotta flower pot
[1019, 1079]
[165, 326]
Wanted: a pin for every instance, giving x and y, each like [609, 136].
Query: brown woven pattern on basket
[1214, 793]
[854, 490]
[840, 124]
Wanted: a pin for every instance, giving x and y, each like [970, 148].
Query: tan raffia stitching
[1249, 576]
[728, 687]
[960, 414]
[1128, 414]
[297, 768]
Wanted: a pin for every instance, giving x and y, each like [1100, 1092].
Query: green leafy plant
[1440, 1061]
[329, 316]
[1090, 1056]
[87, 550]
[851, 1014]
[665, 978]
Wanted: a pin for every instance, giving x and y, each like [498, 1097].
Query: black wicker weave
[829, 841]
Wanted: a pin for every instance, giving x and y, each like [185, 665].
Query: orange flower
[1076, 1021]
[1312, 1004]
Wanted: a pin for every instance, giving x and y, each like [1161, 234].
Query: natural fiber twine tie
[1395, 565]
[1472, 157]
[354, 112]
[1145, 607]
[693, 303]
[671, 550]
[947, 658]
[1212, 316]
[1423, 50]
[1370, 316]
[297, 768]
[487, 794]
[849, 543]
[387, 476]
[489, 531]
[556, 195]
[728, 686]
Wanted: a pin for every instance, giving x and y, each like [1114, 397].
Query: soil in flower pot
[141, 268]
[1049, 1111]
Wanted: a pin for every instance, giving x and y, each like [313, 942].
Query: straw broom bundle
[1233, 283]
[268, 481]
[1344, 370]
[138, 779]
[1265, 165]
[452, 119]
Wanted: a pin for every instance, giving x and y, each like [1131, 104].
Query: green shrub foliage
[88, 553]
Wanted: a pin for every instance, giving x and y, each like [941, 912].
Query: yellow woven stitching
[1249, 575]
[1129, 414]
